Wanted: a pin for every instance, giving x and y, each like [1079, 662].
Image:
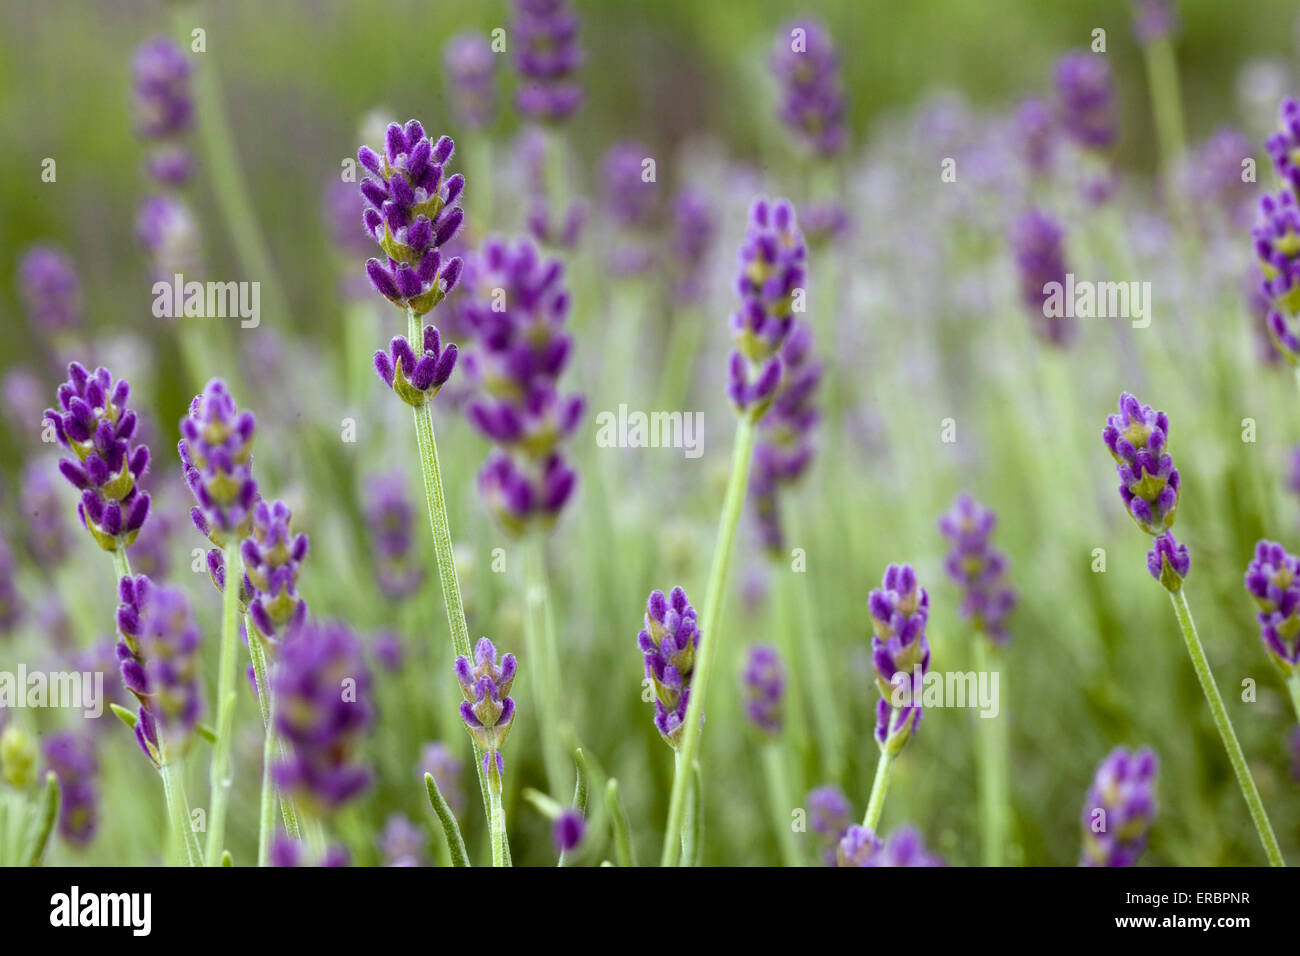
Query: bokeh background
[916, 315]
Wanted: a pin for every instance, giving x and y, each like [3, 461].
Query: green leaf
[124, 715]
[450, 828]
[623, 850]
[39, 834]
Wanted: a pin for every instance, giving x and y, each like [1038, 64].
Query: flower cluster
[900, 651]
[1038, 247]
[1138, 439]
[165, 226]
[216, 455]
[773, 260]
[488, 710]
[391, 520]
[563, 229]
[1086, 95]
[273, 556]
[812, 100]
[321, 687]
[1276, 234]
[50, 288]
[516, 311]
[416, 380]
[785, 449]
[763, 688]
[1273, 580]
[861, 847]
[694, 225]
[93, 422]
[630, 201]
[159, 654]
[829, 816]
[977, 567]
[471, 68]
[72, 758]
[164, 109]
[1120, 807]
[412, 211]
[669, 642]
[547, 54]
[1034, 133]
[1215, 178]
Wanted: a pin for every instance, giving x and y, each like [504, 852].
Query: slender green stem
[543, 669]
[1166, 101]
[1293, 685]
[222, 772]
[436, 503]
[693, 828]
[624, 852]
[679, 359]
[450, 828]
[579, 794]
[879, 786]
[713, 600]
[991, 748]
[43, 821]
[496, 813]
[266, 821]
[178, 812]
[271, 743]
[778, 791]
[1229, 736]
[121, 564]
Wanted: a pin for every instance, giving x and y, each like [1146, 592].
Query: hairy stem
[1221, 720]
[496, 813]
[713, 599]
[272, 743]
[178, 812]
[221, 772]
[879, 786]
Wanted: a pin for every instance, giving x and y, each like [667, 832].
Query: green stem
[178, 812]
[43, 821]
[543, 668]
[1166, 101]
[778, 790]
[221, 772]
[879, 786]
[266, 825]
[496, 813]
[272, 744]
[436, 503]
[713, 599]
[624, 852]
[1293, 685]
[1221, 720]
[121, 564]
[991, 744]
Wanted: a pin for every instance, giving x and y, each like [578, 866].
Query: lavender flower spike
[829, 816]
[772, 273]
[1086, 94]
[471, 68]
[216, 455]
[812, 99]
[94, 423]
[1038, 247]
[670, 641]
[547, 54]
[416, 380]
[1273, 580]
[763, 688]
[159, 656]
[1138, 440]
[72, 758]
[413, 210]
[50, 289]
[391, 521]
[899, 611]
[164, 109]
[487, 710]
[1284, 145]
[1120, 808]
[1277, 247]
[977, 567]
[1168, 561]
[273, 556]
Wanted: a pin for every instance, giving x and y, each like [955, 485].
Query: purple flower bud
[568, 830]
[164, 110]
[695, 226]
[165, 226]
[273, 557]
[322, 692]
[669, 642]
[1137, 438]
[763, 689]
[1153, 20]
[1273, 580]
[93, 422]
[1035, 135]
[392, 522]
[50, 289]
[1284, 145]
[72, 758]
[488, 710]
[903, 847]
[856, 847]
[217, 459]
[812, 100]
[547, 54]
[44, 530]
[900, 651]
[1277, 247]
[471, 70]
[1215, 179]
[829, 816]
[1168, 561]
[1086, 95]
[1120, 808]
[1037, 244]
[402, 842]
[977, 567]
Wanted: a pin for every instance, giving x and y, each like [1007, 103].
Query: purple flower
[1216, 175]
[900, 651]
[11, 602]
[402, 842]
[164, 110]
[1137, 438]
[630, 199]
[1284, 145]
[695, 225]
[94, 423]
[1086, 96]
[669, 642]
[547, 54]
[50, 289]
[1120, 808]
[1038, 246]
[1168, 561]
[159, 656]
[903, 847]
[437, 759]
[1035, 135]
[392, 521]
[289, 853]
[812, 99]
[568, 830]
[772, 270]
[471, 68]
[977, 567]
[273, 557]
[416, 380]
[487, 710]
[322, 688]
[1153, 20]
[386, 648]
[830, 816]
[763, 689]
[563, 229]
[824, 222]
[217, 458]
[44, 531]
[165, 226]
[72, 758]
[1277, 247]
[413, 210]
[1273, 580]
[523, 498]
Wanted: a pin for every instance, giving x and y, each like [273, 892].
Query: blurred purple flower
[763, 689]
[1120, 808]
[977, 567]
[1038, 246]
[471, 70]
[72, 758]
[272, 557]
[50, 289]
[547, 55]
[391, 520]
[812, 100]
[1273, 580]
